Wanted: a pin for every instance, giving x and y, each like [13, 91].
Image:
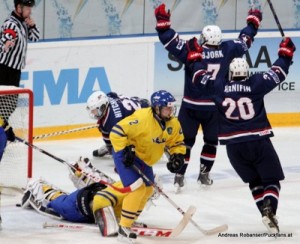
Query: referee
[15, 32]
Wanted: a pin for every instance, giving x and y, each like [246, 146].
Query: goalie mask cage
[16, 106]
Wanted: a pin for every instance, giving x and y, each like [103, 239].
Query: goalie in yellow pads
[92, 202]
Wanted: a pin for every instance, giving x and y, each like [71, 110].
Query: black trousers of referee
[8, 77]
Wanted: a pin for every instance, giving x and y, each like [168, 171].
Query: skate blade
[267, 222]
[124, 239]
[177, 188]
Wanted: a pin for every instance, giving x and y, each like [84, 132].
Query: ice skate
[101, 152]
[139, 225]
[269, 219]
[178, 182]
[125, 235]
[204, 177]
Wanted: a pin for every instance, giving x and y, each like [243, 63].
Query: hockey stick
[212, 231]
[141, 231]
[57, 133]
[121, 190]
[276, 18]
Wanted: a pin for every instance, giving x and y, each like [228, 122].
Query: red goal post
[16, 106]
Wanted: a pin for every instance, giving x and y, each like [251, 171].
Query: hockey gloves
[286, 48]
[162, 18]
[176, 162]
[194, 50]
[128, 156]
[10, 135]
[254, 17]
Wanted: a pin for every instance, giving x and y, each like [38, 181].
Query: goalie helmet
[238, 69]
[97, 104]
[211, 35]
[28, 3]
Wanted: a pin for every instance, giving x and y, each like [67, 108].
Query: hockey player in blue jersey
[109, 109]
[197, 107]
[244, 127]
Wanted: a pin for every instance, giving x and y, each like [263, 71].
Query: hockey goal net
[16, 106]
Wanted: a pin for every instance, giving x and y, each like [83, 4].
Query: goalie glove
[83, 173]
[162, 18]
[176, 162]
[254, 17]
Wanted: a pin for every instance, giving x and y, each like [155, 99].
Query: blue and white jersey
[217, 60]
[241, 111]
[119, 108]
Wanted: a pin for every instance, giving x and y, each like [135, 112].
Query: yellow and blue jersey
[148, 136]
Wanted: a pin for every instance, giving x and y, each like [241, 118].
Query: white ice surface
[227, 201]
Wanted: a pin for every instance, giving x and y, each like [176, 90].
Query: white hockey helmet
[97, 104]
[238, 69]
[211, 35]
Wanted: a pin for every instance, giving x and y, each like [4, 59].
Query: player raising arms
[139, 140]
[109, 109]
[244, 127]
[197, 107]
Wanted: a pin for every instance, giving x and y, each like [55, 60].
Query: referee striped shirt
[14, 28]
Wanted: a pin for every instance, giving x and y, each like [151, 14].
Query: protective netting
[16, 107]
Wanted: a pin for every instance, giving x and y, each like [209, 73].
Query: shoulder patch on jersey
[169, 130]
[274, 75]
[180, 44]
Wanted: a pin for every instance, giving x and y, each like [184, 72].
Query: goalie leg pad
[106, 221]
[38, 194]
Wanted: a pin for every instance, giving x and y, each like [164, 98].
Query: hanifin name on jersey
[213, 54]
[116, 108]
[237, 88]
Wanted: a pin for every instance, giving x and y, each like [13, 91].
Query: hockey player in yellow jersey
[140, 140]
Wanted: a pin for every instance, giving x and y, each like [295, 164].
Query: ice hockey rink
[228, 201]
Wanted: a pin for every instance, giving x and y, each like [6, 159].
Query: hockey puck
[18, 205]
